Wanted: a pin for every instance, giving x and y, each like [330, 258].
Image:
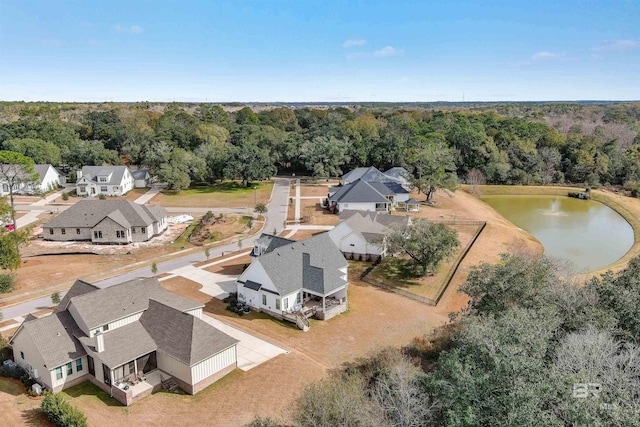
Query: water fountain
[554, 210]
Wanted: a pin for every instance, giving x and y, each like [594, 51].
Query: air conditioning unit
[37, 388]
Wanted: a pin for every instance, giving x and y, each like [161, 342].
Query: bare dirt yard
[314, 190]
[17, 409]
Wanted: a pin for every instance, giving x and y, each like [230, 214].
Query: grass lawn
[228, 194]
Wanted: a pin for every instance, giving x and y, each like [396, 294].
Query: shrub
[102, 196]
[262, 422]
[65, 196]
[61, 413]
[7, 283]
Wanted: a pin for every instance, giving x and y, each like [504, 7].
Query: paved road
[275, 220]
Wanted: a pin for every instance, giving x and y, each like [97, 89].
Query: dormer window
[103, 179]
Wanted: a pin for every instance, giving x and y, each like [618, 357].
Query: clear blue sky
[331, 50]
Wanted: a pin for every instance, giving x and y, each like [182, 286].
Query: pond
[589, 234]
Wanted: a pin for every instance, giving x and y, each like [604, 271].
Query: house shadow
[87, 388]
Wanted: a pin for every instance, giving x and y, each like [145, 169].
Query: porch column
[323, 303]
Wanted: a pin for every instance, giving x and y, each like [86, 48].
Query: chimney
[99, 342]
[78, 174]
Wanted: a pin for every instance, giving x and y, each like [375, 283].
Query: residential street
[275, 219]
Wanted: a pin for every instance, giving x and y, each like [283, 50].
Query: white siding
[249, 296]
[75, 374]
[357, 207]
[122, 322]
[174, 367]
[210, 366]
[402, 197]
[22, 342]
[197, 312]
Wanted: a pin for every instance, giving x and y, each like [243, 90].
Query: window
[264, 302]
[143, 230]
[103, 179]
[69, 368]
[51, 231]
[277, 303]
[64, 231]
[22, 354]
[97, 234]
[105, 327]
[78, 365]
[104, 189]
[77, 231]
[59, 373]
[119, 234]
[286, 303]
[133, 230]
[299, 298]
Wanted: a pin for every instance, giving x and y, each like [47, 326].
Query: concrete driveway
[214, 284]
[252, 351]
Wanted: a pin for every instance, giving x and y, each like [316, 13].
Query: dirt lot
[16, 408]
[218, 228]
[318, 190]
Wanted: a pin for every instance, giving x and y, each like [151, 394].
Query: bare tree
[475, 177]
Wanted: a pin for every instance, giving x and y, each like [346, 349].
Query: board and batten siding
[212, 365]
[196, 312]
[173, 367]
[122, 322]
[59, 384]
[22, 343]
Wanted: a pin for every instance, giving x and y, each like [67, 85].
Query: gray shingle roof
[115, 302]
[372, 174]
[122, 345]
[78, 288]
[183, 336]
[399, 173]
[372, 225]
[270, 242]
[140, 174]
[312, 264]
[118, 218]
[92, 173]
[358, 192]
[54, 338]
[88, 213]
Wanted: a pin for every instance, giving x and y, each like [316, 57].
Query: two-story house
[107, 180]
[127, 339]
[308, 278]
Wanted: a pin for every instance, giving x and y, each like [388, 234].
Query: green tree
[60, 412]
[249, 163]
[261, 208]
[176, 171]
[55, 298]
[41, 152]
[324, 156]
[154, 268]
[16, 172]
[7, 282]
[246, 116]
[207, 253]
[431, 164]
[426, 243]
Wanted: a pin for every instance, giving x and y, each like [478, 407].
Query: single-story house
[130, 339]
[361, 235]
[48, 178]
[107, 222]
[368, 189]
[107, 180]
[297, 280]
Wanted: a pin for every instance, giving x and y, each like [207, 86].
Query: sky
[321, 51]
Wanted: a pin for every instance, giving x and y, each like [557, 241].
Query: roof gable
[88, 213]
[183, 336]
[358, 192]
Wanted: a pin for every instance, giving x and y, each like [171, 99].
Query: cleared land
[229, 194]
[16, 408]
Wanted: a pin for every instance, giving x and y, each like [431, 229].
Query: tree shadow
[400, 272]
[35, 417]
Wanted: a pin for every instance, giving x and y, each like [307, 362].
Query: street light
[255, 202]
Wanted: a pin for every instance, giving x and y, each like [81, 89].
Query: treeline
[507, 144]
[531, 349]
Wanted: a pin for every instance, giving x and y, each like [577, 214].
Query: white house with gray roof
[48, 178]
[304, 278]
[368, 189]
[361, 235]
[107, 180]
[107, 222]
[127, 339]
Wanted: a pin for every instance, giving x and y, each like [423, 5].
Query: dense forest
[584, 144]
[533, 348]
